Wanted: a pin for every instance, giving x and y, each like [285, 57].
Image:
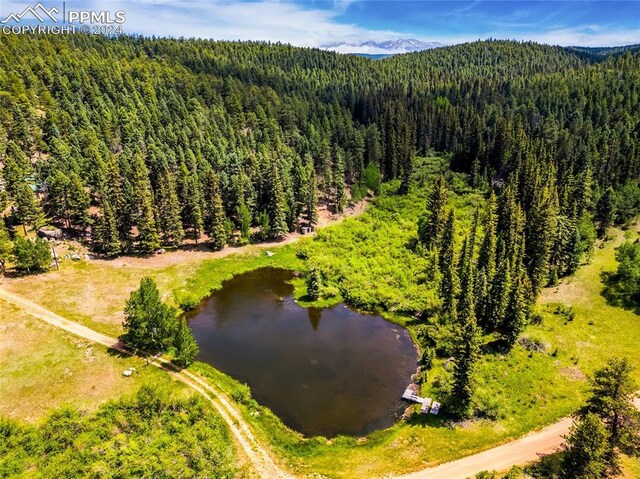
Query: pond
[322, 371]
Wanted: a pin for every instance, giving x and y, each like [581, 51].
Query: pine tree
[499, 296]
[169, 221]
[605, 210]
[431, 225]
[325, 169]
[276, 207]
[449, 284]
[338, 181]
[586, 450]
[487, 253]
[148, 238]
[613, 391]
[465, 355]
[16, 167]
[6, 247]
[189, 194]
[515, 315]
[116, 189]
[541, 234]
[57, 201]
[106, 234]
[468, 251]
[79, 201]
[311, 205]
[186, 347]
[28, 209]
[214, 219]
[314, 283]
[149, 323]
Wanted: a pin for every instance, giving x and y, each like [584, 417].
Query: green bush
[31, 256]
[241, 394]
[149, 434]
[187, 302]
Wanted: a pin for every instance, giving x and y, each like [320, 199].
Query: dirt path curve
[527, 449]
[263, 464]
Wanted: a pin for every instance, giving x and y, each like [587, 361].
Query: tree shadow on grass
[121, 351]
[615, 295]
[418, 419]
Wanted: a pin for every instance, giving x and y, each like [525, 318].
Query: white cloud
[265, 20]
[309, 26]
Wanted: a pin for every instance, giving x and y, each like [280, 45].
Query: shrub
[32, 256]
[241, 394]
[187, 302]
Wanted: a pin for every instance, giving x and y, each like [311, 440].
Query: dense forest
[138, 143]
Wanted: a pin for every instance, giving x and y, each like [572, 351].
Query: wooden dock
[427, 405]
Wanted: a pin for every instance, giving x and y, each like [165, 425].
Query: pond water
[322, 371]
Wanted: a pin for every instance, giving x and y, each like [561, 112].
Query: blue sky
[318, 22]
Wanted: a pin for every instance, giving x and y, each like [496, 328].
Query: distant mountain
[598, 53]
[387, 47]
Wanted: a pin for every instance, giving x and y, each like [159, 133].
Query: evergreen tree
[149, 323]
[499, 296]
[605, 210]
[431, 225]
[6, 247]
[449, 284]
[314, 283]
[28, 209]
[487, 253]
[189, 194]
[311, 205]
[468, 252]
[276, 207]
[586, 449]
[465, 355]
[148, 238]
[324, 165]
[244, 221]
[106, 236]
[57, 201]
[613, 391]
[541, 234]
[31, 256]
[169, 221]
[338, 181]
[515, 316]
[79, 201]
[186, 347]
[16, 168]
[214, 219]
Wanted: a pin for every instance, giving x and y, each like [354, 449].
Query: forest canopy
[137, 143]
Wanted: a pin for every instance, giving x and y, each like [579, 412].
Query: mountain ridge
[384, 47]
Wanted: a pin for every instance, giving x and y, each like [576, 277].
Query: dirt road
[263, 464]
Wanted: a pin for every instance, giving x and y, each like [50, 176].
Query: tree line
[139, 143]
